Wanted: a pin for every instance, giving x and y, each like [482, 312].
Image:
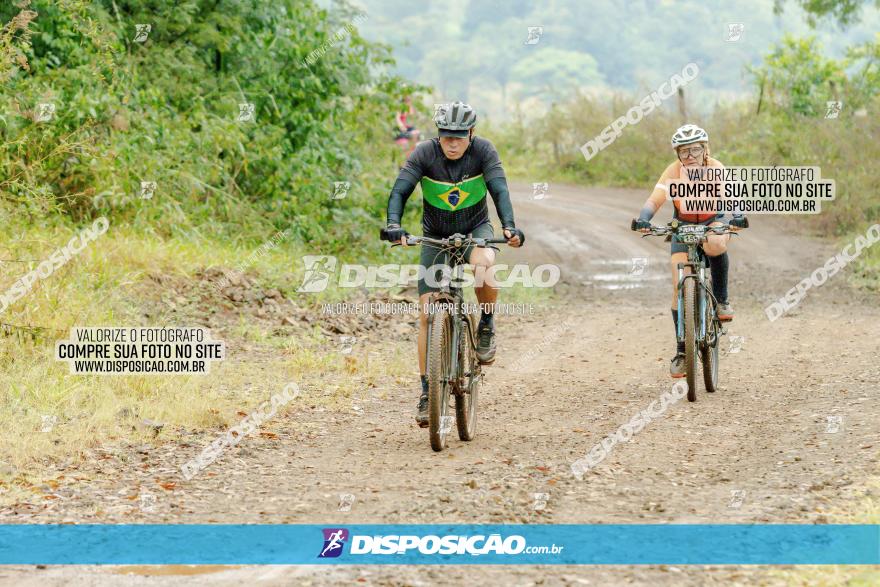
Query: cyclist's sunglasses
[695, 151]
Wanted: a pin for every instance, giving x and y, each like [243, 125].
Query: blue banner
[598, 544]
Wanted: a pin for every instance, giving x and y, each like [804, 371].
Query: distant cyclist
[456, 172]
[407, 135]
[691, 144]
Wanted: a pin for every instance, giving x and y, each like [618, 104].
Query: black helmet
[455, 119]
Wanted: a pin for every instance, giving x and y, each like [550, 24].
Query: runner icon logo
[317, 275]
[334, 541]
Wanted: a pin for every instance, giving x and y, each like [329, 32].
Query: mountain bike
[453, 370]
[698, 321]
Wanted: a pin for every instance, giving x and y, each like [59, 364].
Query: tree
[798, 78]
[167, 108]
[554, 70]
[866, 58]
[843, 11]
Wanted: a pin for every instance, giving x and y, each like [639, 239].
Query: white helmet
[687, 134]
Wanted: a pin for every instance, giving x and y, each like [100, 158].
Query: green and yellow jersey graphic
[450, 196]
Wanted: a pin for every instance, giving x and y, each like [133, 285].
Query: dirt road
[791, 436]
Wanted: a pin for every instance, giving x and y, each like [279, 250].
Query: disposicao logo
[404, 544]
[473, 545]
[334, 541]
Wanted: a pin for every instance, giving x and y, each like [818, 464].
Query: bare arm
[658, 196]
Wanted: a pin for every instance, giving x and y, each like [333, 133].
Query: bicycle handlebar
[454, 241]
[670, 229]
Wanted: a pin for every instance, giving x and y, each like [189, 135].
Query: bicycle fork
[703, 298]
[452, 376]
[456, 352]
[700, 278]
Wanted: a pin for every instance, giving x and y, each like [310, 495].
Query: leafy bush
[166, 109]
[797, 79]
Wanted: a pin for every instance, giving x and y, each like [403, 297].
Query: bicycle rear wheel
[471, 377]
[709, 351]
[440, 349]
[690, 338]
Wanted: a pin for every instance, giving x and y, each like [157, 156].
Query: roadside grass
[48, 414]
[867, 267]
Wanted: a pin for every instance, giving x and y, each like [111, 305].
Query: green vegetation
[843, 11]
[476, 49]
[91, 106]
[783, 123]
[165, 108]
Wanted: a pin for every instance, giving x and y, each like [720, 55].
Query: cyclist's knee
[483, 261]
[715, 245]
[482, 257]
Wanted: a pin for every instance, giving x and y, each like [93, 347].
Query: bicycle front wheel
[690, 338]
[440, 349]
[710, 346]
[471, 377]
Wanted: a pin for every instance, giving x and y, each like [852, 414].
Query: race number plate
[691, 234]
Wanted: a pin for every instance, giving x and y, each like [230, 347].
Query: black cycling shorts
[405, 134]
[433, 257]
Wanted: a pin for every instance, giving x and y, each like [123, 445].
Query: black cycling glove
[740, 222]
[517, 232]
[394, 232]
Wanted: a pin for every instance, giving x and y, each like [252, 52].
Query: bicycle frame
[453, 367]
[697, 262]
[698, 328]
[449, 293]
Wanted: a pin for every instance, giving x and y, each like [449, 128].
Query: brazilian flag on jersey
[452, 197]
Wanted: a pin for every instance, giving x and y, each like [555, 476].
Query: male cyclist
[455, 170]
[691, 144]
